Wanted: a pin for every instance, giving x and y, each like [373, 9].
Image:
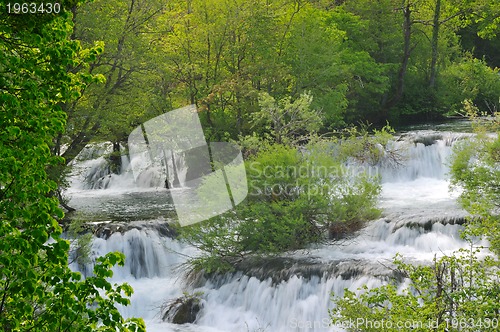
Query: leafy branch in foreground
[38, 290]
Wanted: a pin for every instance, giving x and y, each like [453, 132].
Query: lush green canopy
[359, 59]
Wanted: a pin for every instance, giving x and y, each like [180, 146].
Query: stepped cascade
[420, 219]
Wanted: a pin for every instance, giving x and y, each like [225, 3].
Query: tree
[314, 52]
[362, 60]
[125, 94]
[220, 54]
[416, 45]
[486, 16]
[472, 79]
[38, 291]
[287, 121]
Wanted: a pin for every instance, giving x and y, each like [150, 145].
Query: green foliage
[363, 145]
[475, 171]
[456, 293]
[288, 122]
[296, 196]
[314, 51]
[38, 291]
[153, 56]
[470, 79]
[80, 241]
[488, 23]
[127, 85]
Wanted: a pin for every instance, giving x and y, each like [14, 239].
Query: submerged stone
[183, 310]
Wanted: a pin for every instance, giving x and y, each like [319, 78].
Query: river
[421, 219]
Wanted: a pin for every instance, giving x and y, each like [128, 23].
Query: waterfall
[424, 154]
[253, 302]
[420, 219]
[91, 170]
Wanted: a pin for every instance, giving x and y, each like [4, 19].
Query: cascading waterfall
[424, 154]
[421, 219]
[91, 170]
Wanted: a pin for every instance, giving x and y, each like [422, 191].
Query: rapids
[420, 219]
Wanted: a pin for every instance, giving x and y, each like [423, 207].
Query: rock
[183, 310]
[279, 269]
[342, 230]
[105, 229]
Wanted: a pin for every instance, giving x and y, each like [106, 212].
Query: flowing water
[421, 219]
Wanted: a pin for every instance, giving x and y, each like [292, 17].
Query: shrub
[295, 196]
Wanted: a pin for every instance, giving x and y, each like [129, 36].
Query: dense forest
[361, 61]
[279, 77]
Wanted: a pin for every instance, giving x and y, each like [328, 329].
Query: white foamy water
[419, 221]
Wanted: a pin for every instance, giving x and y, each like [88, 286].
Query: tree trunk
[407, 49]
[406, 53]
[63, 202]
[79, 143]
[435, 38]
[175, 177]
